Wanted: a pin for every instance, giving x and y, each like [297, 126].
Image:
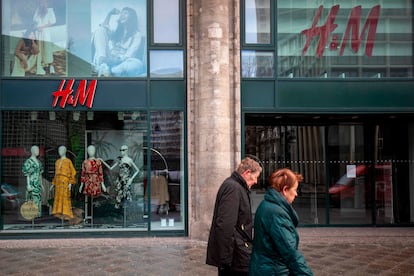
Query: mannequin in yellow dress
[64, 178]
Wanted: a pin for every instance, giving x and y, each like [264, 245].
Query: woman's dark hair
[131, 26]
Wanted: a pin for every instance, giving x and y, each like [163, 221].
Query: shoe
[52, 70]
[40, 71]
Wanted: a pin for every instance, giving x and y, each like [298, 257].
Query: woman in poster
[44, 17]
[115, 52]
[33, 169]
[65, 177]
[25, 54]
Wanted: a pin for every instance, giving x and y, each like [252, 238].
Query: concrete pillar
[213, 105]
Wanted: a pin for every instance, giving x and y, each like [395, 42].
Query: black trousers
[228, 272]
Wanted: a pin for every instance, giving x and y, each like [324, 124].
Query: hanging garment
[159, 189]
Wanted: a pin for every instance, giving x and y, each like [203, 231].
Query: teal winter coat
[275, 243]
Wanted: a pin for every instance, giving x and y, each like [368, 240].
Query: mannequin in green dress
[33, 169]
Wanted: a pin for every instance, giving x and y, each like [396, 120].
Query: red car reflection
[343, 192]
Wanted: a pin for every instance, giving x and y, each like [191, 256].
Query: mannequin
[33, 169]
[65, 177]
[124, 180]
[92, 175]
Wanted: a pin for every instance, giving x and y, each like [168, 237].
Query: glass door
[357, 170]
[394, 185]
[350, 174]
[300, 148]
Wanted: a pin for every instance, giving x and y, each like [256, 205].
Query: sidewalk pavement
[328, 251]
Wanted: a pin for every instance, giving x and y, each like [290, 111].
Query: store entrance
[357, 169]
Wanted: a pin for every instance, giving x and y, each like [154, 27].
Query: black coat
[230, 240]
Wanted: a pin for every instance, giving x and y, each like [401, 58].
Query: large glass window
[257, 64]
[345, 39]
[277, 146]
[98, 38]
[83, 170]
[322, 39]
[349, 188]
[257, 25]
[166, 64]
[167, 171]
[356, 171]
[166, 21]
[34, 36]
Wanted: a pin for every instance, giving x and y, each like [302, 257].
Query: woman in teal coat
[275, 244]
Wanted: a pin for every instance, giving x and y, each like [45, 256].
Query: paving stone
[328, 251]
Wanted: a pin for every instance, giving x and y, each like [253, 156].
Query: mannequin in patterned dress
[92, 181]
[33, 169]
[124, 179]
[65, 177]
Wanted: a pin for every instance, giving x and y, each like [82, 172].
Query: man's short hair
[248, 164]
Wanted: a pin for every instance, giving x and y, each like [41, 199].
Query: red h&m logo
[352, 29]
[84, 94]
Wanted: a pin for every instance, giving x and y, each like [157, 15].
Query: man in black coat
[230, 241]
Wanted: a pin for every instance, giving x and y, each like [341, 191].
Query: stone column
[213, 105]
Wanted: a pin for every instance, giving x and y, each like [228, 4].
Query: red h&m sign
[84, 94]
[352, 30]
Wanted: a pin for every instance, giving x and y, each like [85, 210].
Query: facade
[172, 93]
[79, 74]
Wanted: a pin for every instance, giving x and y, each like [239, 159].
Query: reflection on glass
[166, 64]
[118, 38]
[167, 175]
[35, 38]
[349, 189]
[299, 148]
[257, 22]
[354, 173]
[166, 21]
[257, 64]
[44, 52]
[321, 39]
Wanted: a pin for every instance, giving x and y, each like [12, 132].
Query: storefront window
[166, 64]
[349, 188]
[257, 64]
[166, 193]
[370, 39]
[74, 38]
[257, 22]
[166, 21]
[277, 147]
[83, 170]
[356, 171]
